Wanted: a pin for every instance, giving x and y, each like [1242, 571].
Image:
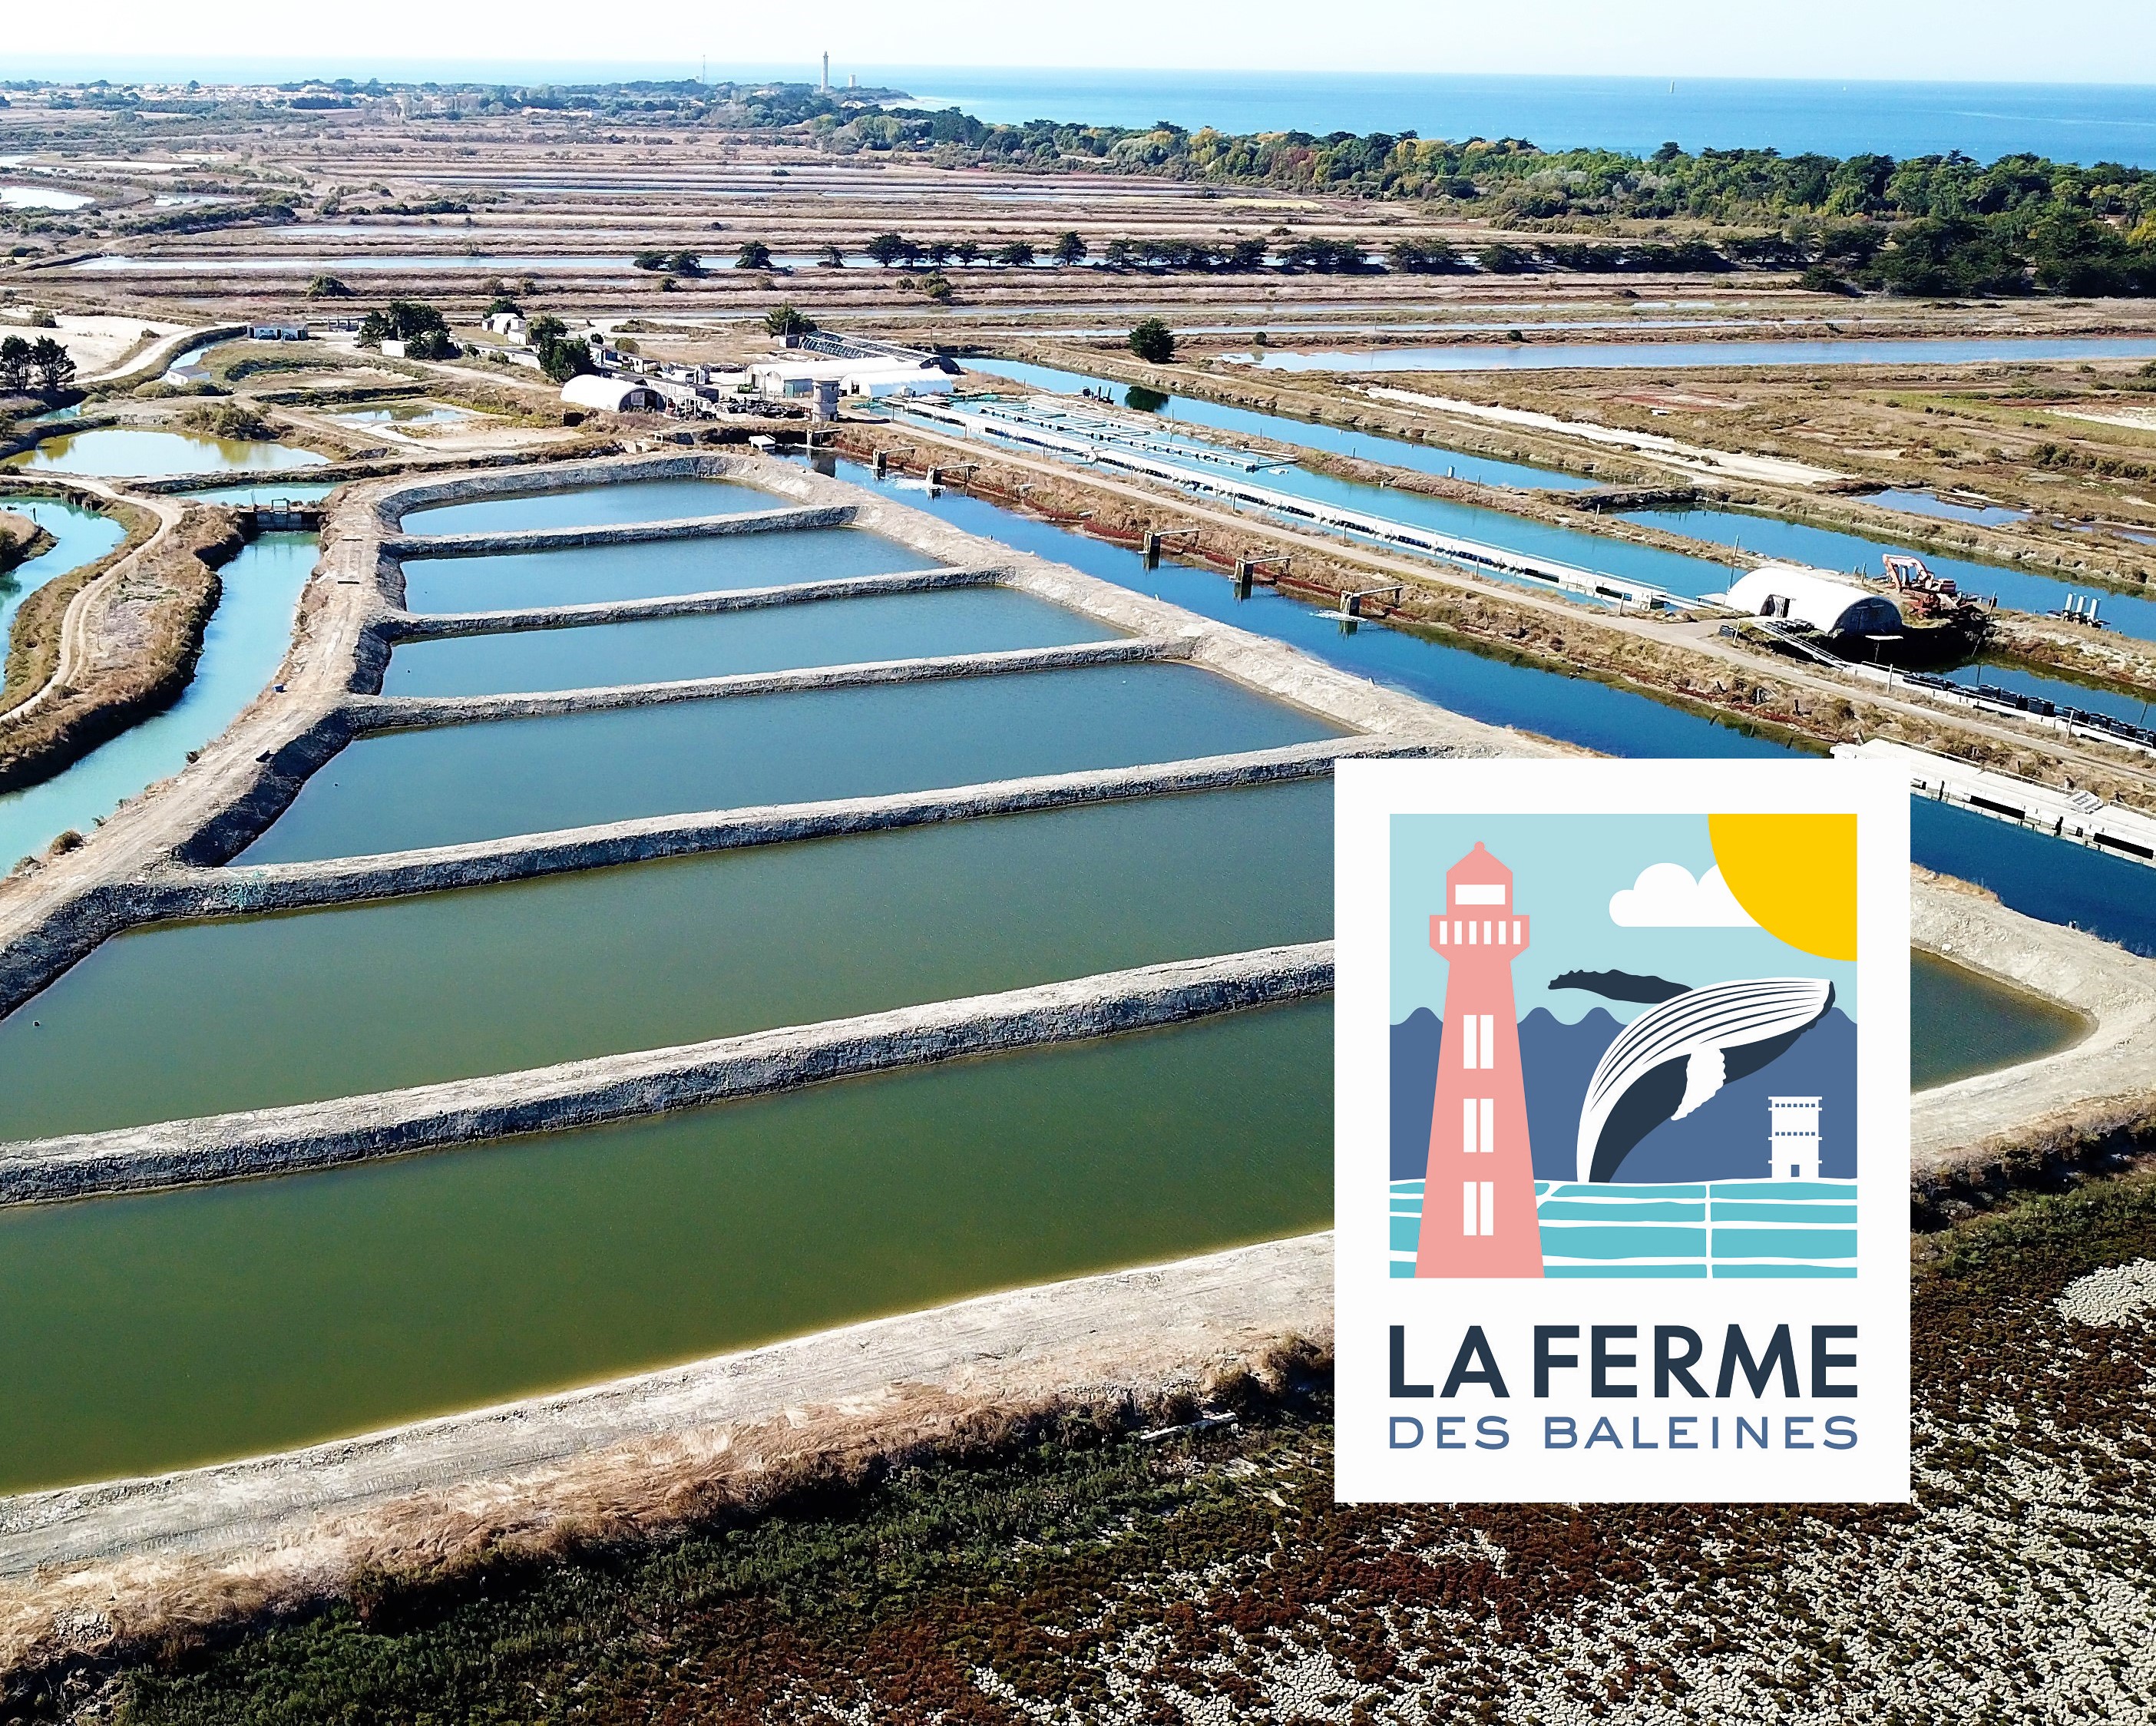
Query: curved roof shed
[610, 395]
[1832, 604]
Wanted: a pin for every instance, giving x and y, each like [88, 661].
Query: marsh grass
[1055, 1560]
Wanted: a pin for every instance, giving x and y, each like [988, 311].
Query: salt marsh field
[202, 1018]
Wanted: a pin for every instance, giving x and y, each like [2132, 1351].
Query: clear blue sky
[1562, 882]
[2066, 41]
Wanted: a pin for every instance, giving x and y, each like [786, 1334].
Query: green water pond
[154, 1333]
[449, 784]
[887, 626]
[651, 569]
[1962, 1023]
[243, 1013]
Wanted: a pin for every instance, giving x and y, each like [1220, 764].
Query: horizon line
[63, 69]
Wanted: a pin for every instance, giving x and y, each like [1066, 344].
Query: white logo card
[1621, 1153]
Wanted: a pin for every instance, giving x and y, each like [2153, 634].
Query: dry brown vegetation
[1549, 634]
[21, 539]
[1039, 1564]
[143, 632]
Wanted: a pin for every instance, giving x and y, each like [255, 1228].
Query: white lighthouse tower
[1792, 1138]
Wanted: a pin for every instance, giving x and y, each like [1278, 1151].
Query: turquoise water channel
[150, 1333]
[79, 537]
[651, 569]
[454, 784]
[275, 492]
[630, 502]
[243, 1013]
[243, 644]
[835, 632]
[1765, 537]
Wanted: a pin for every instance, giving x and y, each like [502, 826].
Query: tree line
[40, 368]
[1931, 224]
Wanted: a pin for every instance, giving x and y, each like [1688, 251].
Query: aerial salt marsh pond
[404, 790]
[245, 1013]
[150, 1333]
[229, 1320]
[651, 569]
[1962, 1023]
[631, 502]
[2031, 872]
[894, 626]
[117, 452]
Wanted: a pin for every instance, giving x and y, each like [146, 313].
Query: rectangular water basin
[836, 632]
[632, 501]
[651, 569]
[450, 784]
[150, 1333]
[246, 1013]
[1962, 1023]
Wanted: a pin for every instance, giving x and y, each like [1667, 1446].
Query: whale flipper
[1676, 1057]
[1704, 1074]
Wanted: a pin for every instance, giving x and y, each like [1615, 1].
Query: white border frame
[1367, 1301]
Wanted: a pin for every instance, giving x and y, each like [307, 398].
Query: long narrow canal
[1766, 537]
[2059, 883]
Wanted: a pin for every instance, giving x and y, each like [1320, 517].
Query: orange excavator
[1922, 593]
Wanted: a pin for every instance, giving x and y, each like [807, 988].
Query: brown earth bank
[141, 632]
[21, 539]
[1548, 634]
[1061, 1560]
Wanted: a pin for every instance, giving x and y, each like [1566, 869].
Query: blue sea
[2082, 123]
[2068, 122]
[1713, 1229]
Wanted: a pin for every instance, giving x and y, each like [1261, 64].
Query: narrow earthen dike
[354, 611]
[166, 856]
[282, 1141]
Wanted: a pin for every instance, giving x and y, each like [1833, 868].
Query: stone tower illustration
[1478, 1207]
[1792, 1138]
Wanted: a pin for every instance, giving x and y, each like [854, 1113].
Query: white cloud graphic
[1665, 896]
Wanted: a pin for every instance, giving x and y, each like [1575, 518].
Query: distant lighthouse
[1478, 1207]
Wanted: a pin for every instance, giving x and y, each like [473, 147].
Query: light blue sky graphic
[1565, 867]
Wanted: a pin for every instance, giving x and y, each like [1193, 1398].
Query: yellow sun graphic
[1794, 874]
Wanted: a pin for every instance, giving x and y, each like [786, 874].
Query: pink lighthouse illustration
[1478, 1206]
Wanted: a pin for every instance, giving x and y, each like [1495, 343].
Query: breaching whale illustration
[1675, 1057]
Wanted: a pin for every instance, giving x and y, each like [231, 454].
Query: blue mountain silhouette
[1724, 1140]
